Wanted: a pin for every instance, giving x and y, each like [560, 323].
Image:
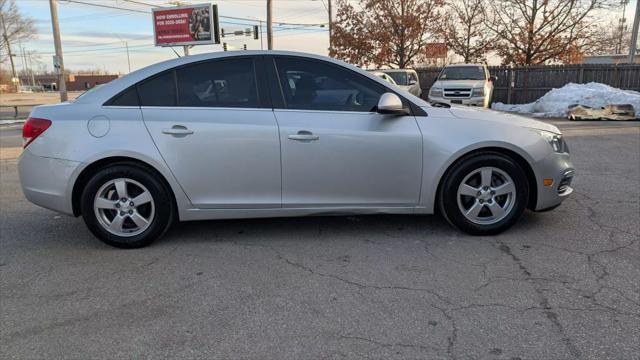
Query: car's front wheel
[484, 194]
[126, 206]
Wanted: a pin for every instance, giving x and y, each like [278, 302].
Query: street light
[126, 44]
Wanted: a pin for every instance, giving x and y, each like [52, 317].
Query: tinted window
[462, 73]
[315, 85]
[400, 77]
[158, 91]
[127, 98]
[222, 83]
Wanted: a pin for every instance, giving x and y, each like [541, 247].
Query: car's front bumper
[473, 101]
[558, 168]
[46, 181]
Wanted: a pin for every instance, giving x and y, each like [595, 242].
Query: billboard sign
[186, 25]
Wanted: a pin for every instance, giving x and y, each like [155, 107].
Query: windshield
[399, 77]
[462, 73]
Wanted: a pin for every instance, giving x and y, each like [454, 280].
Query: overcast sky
[93, 37]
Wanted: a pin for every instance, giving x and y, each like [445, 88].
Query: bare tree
[536, 31]
[465, 32]
[18, 27]
[384, 32]
[608, 40]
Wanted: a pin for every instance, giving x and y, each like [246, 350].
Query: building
[74, 82]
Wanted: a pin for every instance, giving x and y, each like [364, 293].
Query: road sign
[186, 25]
[56, 64]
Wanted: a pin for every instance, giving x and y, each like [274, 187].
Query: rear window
[128, 97]
[158, 91]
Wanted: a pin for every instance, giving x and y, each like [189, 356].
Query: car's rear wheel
[126, 206]
[484, 194]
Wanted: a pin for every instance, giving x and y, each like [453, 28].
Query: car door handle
[303, 136]
[177, 130]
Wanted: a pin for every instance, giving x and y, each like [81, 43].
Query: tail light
[32, 129]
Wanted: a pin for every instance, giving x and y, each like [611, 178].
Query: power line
[103, 6]
[92, 50]
[148, 12]
[140, 3]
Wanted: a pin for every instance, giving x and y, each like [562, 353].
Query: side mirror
[412, 82]
[493, 78]
[390, 104]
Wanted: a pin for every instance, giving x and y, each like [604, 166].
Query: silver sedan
[267, 134]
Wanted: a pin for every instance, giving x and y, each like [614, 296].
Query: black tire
[448, 194]
[163, 214]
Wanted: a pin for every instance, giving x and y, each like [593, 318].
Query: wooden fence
[519, 85]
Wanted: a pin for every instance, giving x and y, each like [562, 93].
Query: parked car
[384, 77]
[265, 134]
[466, 84]
[406, 79]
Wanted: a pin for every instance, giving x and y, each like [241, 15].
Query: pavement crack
[544, 303]
[358, 284]
[388, 345]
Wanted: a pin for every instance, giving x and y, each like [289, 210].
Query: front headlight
[477, 92]
[435, 92]
[555, 141]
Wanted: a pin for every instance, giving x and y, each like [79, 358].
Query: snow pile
[555, 103]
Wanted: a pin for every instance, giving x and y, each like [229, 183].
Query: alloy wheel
[486, 196]
[124, 207]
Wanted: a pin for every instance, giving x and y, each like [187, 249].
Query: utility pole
[27, 67]
[634, 34]
[330, 24]
[33, 78]
[185, 48]
[13, 65]
[126, 45]
[62, 85]
[621, 26]
[269, 25]
[21, 50]
[261, 43]
[23, 60]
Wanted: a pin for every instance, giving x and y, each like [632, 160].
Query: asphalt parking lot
[559, 285]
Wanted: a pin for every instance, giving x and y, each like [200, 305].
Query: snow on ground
[555, 103]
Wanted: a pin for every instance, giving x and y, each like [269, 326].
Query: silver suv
[465, 84]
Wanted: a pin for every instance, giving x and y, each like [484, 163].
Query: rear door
[216, 131]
